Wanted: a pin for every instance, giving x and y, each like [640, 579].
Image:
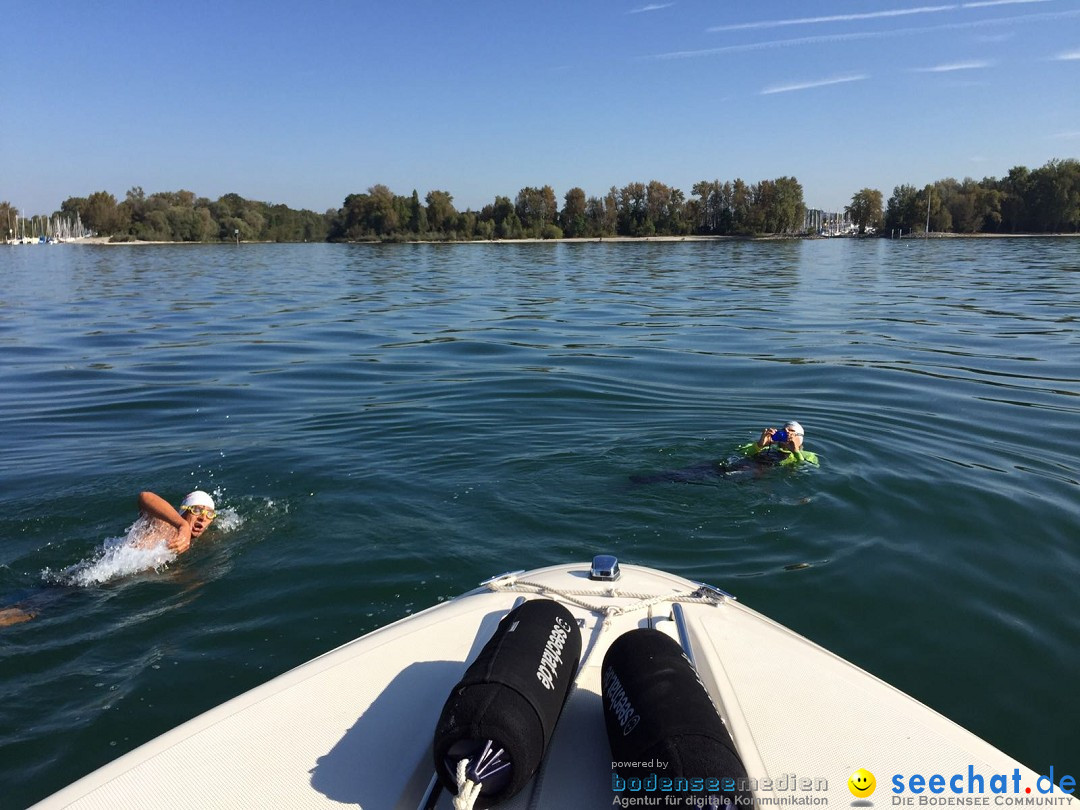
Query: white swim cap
[795, 428]
[197, 498]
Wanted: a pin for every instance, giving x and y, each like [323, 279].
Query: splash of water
[228, 520]
[143, 548]
[118, 557]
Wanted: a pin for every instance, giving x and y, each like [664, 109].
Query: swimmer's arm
[766, 438]
[157, 507]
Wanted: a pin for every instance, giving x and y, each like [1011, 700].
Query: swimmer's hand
[182, 541]
[766, 437]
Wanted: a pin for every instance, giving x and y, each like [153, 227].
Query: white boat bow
[354, 726]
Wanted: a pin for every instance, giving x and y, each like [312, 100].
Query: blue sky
[304, 103]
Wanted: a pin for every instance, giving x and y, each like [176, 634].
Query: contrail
[787, 88]
[869, 15]
[862, 35]
[988, 3]
[954, 66]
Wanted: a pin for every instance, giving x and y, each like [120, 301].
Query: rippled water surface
[383, 426]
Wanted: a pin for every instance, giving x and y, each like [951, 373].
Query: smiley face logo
[861, 784]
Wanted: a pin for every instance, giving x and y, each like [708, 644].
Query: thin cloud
[791, 88]
[954, 66]
[1068, 56]
[1065, 136]
[989, 3]
[650, 7]
[862, 35]
[871, 15]
[778, 43]
[868, 15]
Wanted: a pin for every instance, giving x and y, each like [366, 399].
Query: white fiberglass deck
[354, 727]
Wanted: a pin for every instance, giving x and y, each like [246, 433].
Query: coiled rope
[467, 790]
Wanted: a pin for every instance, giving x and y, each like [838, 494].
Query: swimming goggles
[204, 511]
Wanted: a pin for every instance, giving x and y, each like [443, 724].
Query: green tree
[102, 214]
[714, 206]
[485, 229]
[632, 204]
[787, 212]
[536, 208]
[73, 207]
[931, 202]
[418, 221]
[573, 218]
[505, 222]
[465, 228]
[1015, 189]
[382, 212]
[989, 203]
[8, 217]
[741, 208]
[971, 208]
[902, 210]
[601, 216]
[1054, 196]
[611, 212]
[255, 221]
[866, 209]
[440, 211]
[135, 205]
[665, 207]
[361, 217]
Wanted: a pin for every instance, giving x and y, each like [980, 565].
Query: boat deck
[354, 726]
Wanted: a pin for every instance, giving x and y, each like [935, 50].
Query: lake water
[384, 426]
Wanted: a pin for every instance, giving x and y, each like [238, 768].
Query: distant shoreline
[105, 240]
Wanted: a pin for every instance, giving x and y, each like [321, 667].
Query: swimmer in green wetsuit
[783, 447]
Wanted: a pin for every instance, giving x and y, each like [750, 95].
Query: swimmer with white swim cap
[158, 523]
[774, 448]
[196, 513]
[789, 438]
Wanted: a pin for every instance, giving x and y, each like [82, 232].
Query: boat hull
[355, 725]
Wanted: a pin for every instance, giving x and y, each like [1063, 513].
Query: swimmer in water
[158, 523]
[781, 444]
[774, 447]
[177, 529]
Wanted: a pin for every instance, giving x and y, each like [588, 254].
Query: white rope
[467, 790]
[645, 600]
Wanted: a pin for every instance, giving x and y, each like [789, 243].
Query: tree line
[181, 216]
[1043, 200]
[636, 209]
